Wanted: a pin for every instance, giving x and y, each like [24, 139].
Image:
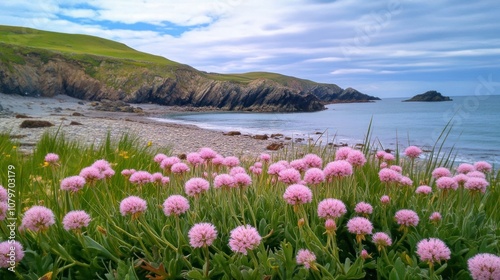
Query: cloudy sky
[384, 48]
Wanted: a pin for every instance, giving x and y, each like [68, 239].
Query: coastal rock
[22, 116]
[75, 123]
[275, 146]
[35, 124]
[261, 137]
[429, 96]
[232, 133]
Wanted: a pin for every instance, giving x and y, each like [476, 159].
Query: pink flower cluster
[133, 205]
[331, 208]
[338, 169]
[75, 220]
[314, 176]
[433, 250]
[38, 218]
[141, 178]
[306, 258]
[297, 194]
[484, 266]
[243, 239]
[6, 256]
[363, 208]
[51, 158]
[175, 205]
[413, 152]
[73, 183]
[359, 226]
[407, 218]
[381, 240]
[289, 176]
[201, 235]
[196, 186]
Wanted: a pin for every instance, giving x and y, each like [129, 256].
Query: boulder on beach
[35, 124]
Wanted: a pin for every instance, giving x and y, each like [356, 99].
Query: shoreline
[62, 110]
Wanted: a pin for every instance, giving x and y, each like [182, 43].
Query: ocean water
[474, 121]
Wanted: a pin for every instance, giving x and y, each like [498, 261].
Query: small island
[429, 96]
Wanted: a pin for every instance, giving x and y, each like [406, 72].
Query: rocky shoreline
[79, 120]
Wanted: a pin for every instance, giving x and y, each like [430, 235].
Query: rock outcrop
[429, 96]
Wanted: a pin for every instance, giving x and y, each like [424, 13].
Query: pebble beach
[77, 120]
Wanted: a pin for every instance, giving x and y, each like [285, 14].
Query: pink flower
[406, 218]
[133, 205]
[396, 168]
[11, 252]
[313, 161]
[223, 180]
[405, 181]
[483, 166]
[167, 163]
[484, 266]
[298, 164]
[141, 178]
[476, 184]
[330, 225]
[196, 186]
[306, 258]
[218, 160]
[297, 194]
[73, 183]
[387, 175]
[38, 218]
[179, 168]
[289, 176]
[389, 157]
[159, 158]
[364, 254]
[435, 217]
[276, 168]
[356, 158]
[314, 176]
[242, 180]
[104, 168]
[465, 168]
[381, 240]
[51, 158]
[383, 165]
[91, 174]
[202, 235]
[413, 152]
[446, 183]
[207, 154]
[175, 205]
[423, 190]
[331, 208]
[237, 169]
[380, 154]
[194, 159]
[338, 168]
[359, 226]
[258, 165]
[441, 172]
[3, 194]
[231, 161]
[255, 170]
[3, 210]
[461, 178]
[477, 174]
[433, 250]
[159, 179]
[363, 208]
[342, 153]
[244, 238]
[128, 172]
[75, 220]
[265, 157]
[385, 199]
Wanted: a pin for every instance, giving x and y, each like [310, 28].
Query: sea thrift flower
[406, 218]
[276, 168]
[338, 168]
[331, 208]
[265, 157]
[330, 226]
[314, 176]
[179, 168]
[218, 160]
[387, 175]
[381, 240]
[91, 174]
[363, 208]
[477, 174]
[465, 168]
[313, 161]
[3, 194]
[175, 205]
[10, 251]
[255, 170]
[223, 180]
[441, 172]
[356, 158]
[385, 199]
[306, 258]
[101, 165]
[207, 154]
[380, 155]
[384, 165]
[194, 159]
[167, 163]
[413, 152]
[433, 250]
[389, 157]
[244, 238]
[202, 235]
[342, 153]
[237, 169]
[484, 266]
[73, 183]
[51, 158]
[359, 226]
[38, 218]
[141, 178]
[396, 168]
[297, 194]
[446, 183]
[128, 172]
[133, 205]
[196, 186]
[159, 158]
[423, 190]
[3, 210]
[298, 164]
[405, 181]
[289, 176]
[435, 217]
[483, 166]
[242, 180]
[461, 179]
[364, 254]
[75, 220]
[231, 161]
[476, 184]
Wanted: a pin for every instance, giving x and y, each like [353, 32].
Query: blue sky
[390, 48]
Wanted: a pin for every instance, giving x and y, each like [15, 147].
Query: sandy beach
[93, 126]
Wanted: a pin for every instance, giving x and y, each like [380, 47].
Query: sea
[471, 125]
